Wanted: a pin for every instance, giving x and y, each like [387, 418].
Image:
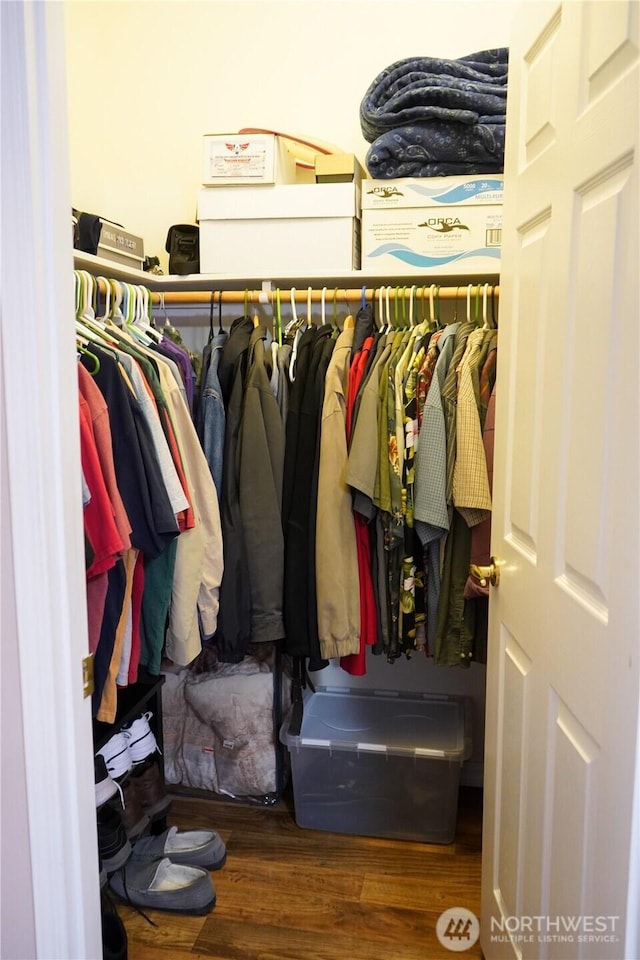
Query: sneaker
[106, 787]
[150, 788]
[196, 848]
[114, 848]
[140, 738]
[116, 756]
[162, 885]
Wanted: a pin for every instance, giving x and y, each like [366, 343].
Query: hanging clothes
[260, 454]
[234, 623]
[300, 496]
[336, 550]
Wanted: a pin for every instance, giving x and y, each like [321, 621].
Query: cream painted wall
[146, 79]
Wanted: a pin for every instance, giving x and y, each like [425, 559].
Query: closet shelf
[99, 266]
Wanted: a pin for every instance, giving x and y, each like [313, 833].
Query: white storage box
[379, 764]
[448, 225]
[290, 228]
[246, 159]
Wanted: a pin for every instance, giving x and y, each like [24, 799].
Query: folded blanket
[438, 148]
[419, 89]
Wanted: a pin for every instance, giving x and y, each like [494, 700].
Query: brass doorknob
[486, 574]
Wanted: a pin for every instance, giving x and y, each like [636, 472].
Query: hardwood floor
[291, 894]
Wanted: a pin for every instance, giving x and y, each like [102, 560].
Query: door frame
[42, 497]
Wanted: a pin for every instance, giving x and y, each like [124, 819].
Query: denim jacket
[213, 415]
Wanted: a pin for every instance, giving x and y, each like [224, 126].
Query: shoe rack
[132, 701]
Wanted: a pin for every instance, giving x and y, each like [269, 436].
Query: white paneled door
[561, 818]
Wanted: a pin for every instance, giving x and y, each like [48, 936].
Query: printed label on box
[433, 238]
[446, 192]
[237, 159]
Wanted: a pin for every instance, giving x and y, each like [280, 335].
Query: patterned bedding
[427, 117]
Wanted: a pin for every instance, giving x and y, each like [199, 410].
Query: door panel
[562, 678]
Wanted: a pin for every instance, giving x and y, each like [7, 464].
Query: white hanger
[469, 289]
[143, 323]
[294, 323]
[485, 321]
[309, 320]
[117, 315]
[432, 308]
[323, 314]
[411, 296]
[389, 327]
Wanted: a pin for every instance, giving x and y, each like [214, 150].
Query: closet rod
[341, 294]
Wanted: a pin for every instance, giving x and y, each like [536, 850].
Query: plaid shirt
[471, 493]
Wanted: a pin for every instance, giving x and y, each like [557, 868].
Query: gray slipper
[201, 848]
[163, 885]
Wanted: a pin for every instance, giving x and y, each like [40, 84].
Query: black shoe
[113, 844]
[114, 935]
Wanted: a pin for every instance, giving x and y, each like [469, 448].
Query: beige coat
[337, 580]
[199, 560]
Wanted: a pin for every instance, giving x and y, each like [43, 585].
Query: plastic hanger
[323, 314]
[294, 325]
[469, 289]
[411, 296]
[117, 317]
[309, 310]
[220, 327]
[432, 309]
[278, 316]
[142, 322]
[485, 319]
[92, 356]
[256, 317]
[211, 303]
[167, 322]
[107, 300]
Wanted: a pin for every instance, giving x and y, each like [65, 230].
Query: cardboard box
[282, 229]
[447, 225]
[379, 764]
[121, 247]
[337, 168]
[246, 159]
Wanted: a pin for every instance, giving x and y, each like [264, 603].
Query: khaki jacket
[337, 579]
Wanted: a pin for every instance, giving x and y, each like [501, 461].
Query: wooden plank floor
[291, 894]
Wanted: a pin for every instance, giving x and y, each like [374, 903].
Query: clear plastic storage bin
[379, 764]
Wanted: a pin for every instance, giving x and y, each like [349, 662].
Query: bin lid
[385, 722]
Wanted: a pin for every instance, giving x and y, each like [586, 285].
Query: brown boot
[134, 818]
[150, 790]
